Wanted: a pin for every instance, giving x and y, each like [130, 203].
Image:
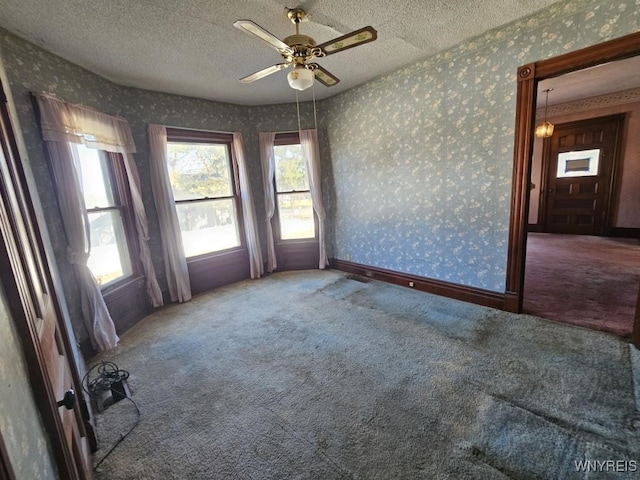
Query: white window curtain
[311, 153]
[268, 176]
[62, 124]
[142, 228]
[248, 209]
[173, 251]
[98, 322]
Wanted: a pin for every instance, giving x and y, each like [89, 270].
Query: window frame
[120, 191]
[188, 136]
[281, 139]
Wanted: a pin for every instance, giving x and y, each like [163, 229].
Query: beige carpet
[321, 375]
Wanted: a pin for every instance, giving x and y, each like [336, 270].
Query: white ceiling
[190, 47]
[599, 80]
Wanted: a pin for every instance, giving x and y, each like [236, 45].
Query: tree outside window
[293, 198]
[203, 184]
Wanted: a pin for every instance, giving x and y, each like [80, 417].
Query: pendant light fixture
[546, 129]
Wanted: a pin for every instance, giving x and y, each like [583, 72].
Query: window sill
[297, 241]
[125, 283]
[214, 255]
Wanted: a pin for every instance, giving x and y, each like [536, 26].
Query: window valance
[65, 122]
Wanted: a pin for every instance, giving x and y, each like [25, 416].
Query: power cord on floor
[108, 377]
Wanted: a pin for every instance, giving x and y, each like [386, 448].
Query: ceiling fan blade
[264, 72]
[324, 76]
[255, 29]
[350, 40]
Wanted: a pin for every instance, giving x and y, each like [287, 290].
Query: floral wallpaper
[421, 158]
[416, 164]
[22, 431]
[32, 69]
[144, 107]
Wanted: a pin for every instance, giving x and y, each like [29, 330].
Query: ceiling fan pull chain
[298, 109]
[315, 114]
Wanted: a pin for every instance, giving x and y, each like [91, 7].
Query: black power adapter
[109, 387]
[120, 390]
[106, 384]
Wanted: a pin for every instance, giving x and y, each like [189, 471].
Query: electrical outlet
[411, 284]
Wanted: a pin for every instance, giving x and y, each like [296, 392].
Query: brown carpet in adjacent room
[324, 375]
[583, 280]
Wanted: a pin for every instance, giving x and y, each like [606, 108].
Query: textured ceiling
[599, 80]
[190, 47]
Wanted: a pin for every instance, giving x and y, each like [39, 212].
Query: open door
[26, 277]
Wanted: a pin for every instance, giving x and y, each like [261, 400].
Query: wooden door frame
[528, 77]
[6, 470]
[614, 169]
[15, 284]
[635, 336]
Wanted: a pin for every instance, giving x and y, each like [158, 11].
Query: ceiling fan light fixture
[300, 78]
[298, 50]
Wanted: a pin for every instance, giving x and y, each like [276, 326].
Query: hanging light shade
[300, 78]
[546, 129]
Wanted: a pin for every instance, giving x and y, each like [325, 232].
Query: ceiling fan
[298, 50]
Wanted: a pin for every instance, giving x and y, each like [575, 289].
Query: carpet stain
[313, 375]
[358, 278]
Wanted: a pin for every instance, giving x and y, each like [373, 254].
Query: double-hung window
[109, 218]
[294, 207]
[204, 184]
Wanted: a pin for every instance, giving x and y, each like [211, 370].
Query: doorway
[583, 268]
[529, 76]
[578, 182]
[574, 272]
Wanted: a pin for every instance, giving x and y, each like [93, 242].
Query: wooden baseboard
[465, 293]
[511, 302]
[621, 232]
[624, 232]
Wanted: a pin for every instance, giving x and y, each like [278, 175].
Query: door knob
[69, 400]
